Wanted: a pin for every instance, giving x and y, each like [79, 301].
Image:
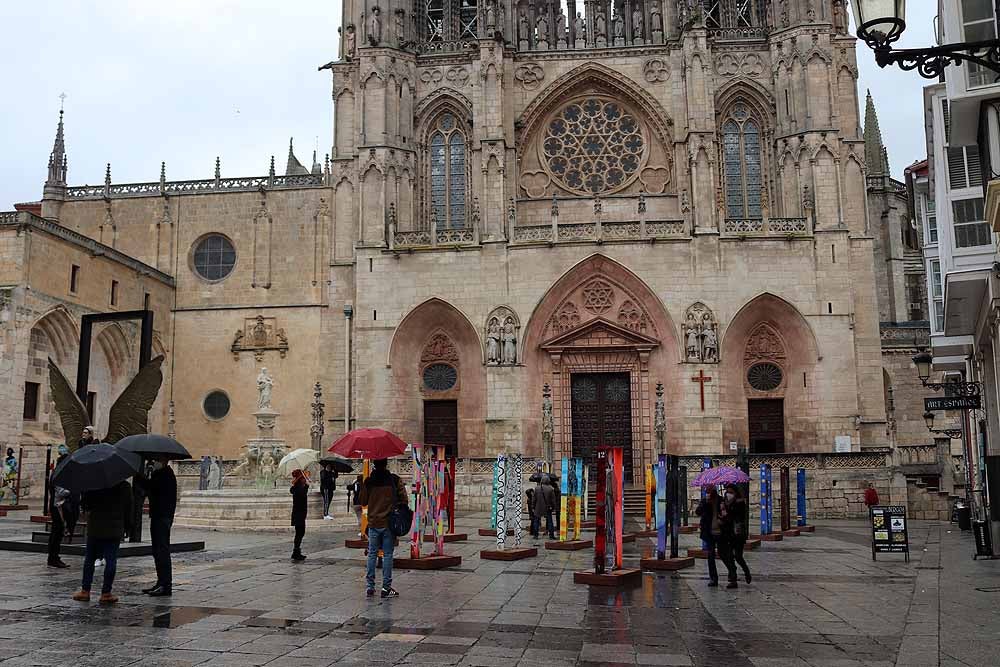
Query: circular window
[764, 377]
[216, 405]
[593, 146]
[440, 377]
[214, 257]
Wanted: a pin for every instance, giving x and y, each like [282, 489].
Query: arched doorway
[601, 339]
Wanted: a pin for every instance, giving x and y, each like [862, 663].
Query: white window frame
[956, 225]
[936, 294]
[972, 69]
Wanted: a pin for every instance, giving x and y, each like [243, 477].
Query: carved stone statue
[561, 25]
[493, 334]
[655, 18]
[398, 25]
[542, 25]
[839, 17]
[259, 333]
[509, 343]
[710, 344]
[245, 467]
[692, 337]
[580, 27]
[264, 385]
[267, 465]
[600, 26]
[548, 425]
[660, 413]
[523, 32]
[619, 26]
[491, 18]
[637, 23]
[350, 39]
[375, 27]
[214, 474]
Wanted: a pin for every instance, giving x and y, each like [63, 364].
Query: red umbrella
[368, 443]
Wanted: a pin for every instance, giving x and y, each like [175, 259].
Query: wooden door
[602, 415]
[441, 425]
[767, 425]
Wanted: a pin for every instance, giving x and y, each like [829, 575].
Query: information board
[889, 530]
[936, 404]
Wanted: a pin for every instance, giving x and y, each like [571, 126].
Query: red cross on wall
[701, 379]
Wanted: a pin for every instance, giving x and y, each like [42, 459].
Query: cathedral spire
[57, 158]
[317, 169]
[293, 166]
[876, 155]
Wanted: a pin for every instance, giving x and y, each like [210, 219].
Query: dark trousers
[711, 545]
[159, 535]
[300, 531]
[327, 499]
[56, 532]
[536, 524]
[100, 548]
[731, 553]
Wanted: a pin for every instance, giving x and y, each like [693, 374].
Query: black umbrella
[151, 445]
[339, 465]
[98, 466]
[537, 477]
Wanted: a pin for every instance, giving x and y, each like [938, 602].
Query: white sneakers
[328, 518]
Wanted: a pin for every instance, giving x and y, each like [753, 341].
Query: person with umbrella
[300, 494]
[709, 511]
[327, 485]
[735, 525]
[161, 489]
[381, 492]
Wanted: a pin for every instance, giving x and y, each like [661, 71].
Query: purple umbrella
[720, 475]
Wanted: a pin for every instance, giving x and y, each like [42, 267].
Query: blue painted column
[800, 495]
[765, 499]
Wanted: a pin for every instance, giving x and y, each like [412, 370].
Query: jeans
[711, 545]
[327, 499]
[536, 524]
[300, 532]
[380, 538]
[100, 548]
[159, 535]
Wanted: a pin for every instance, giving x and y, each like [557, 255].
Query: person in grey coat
[543, 501]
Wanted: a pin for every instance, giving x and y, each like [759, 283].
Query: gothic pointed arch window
[447, 180]
[742, 161]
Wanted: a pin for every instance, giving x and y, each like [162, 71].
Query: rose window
[593, 146]
[764, 376]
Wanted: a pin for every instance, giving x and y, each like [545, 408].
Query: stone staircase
[926, 501]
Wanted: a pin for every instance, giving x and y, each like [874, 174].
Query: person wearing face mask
[161, 487]
[710, 514]
[735, 523]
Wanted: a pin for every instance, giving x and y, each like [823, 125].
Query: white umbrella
[297, 459]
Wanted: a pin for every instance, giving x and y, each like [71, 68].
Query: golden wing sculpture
[72, 413]
[130, 413]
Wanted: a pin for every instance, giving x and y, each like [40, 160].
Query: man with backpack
[382, 492]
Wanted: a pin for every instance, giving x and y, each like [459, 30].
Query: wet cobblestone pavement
[816, 600]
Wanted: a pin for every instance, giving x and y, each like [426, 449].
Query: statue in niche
[543, 28]
[619, 25]
[580, 27]
[637, 23]
[523, 32]
[839, 17]
[561, 25]
[264, 384]
[701, 334]
[547, 421]
[493, 335]
[655, 18]
[509, 342]
[491, 18]
[399, 22]
[259, 333]
[692, 336]
[349, 41]
[375, 27]
[710, 344]
[600, 26]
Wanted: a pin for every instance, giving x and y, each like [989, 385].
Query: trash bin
[964, 518]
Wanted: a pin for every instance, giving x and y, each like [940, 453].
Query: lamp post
[881, 22]
[923, 361]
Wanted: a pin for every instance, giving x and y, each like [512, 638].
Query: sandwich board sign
[889, 530]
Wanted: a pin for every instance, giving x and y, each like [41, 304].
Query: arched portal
[439, 386]
[601, 339]
[770, 378]
[55, 336]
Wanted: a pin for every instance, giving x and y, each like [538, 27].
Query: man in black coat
[161, 488]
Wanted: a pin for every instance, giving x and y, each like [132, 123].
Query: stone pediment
[600, 333]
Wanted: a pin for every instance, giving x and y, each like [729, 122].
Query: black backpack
[400, 516]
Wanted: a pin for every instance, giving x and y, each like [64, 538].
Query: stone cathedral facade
[532, 215]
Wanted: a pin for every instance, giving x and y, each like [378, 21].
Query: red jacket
[871, 497]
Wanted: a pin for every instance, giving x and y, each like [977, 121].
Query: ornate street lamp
[949, 432]
[882, 22]
[955, 387]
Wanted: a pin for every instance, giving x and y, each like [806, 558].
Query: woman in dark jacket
[327, 485]
[109, 513]
[711, 530]
[735, 525]
[300, 494]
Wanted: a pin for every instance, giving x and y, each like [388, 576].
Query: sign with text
[889, 530]
[952, 403]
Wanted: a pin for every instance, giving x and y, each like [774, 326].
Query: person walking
[556, 502]
[300, 495]
[109, 513]
[871, 496]
[64, 508]
[327, 485]
[355, 489]
[381, 493]
[161, 488]
[711, 529]
[542, 502]
[735, 524]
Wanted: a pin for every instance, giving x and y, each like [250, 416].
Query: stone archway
[600, 319]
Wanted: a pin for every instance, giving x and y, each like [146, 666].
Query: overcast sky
[184, 81]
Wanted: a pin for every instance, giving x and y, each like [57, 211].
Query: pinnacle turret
[876, 156]
[57, 158]
[293, 167]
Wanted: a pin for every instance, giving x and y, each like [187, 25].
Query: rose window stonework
[593, 145]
